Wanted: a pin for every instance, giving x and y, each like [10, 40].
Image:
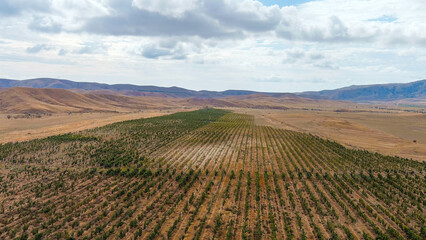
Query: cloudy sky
[268, 45]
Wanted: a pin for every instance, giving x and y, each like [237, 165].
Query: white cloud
[45, 24]
[175, 8]
[319, 44]
[39, 47]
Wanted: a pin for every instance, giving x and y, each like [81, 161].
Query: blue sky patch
[384, 18]
[283, 3]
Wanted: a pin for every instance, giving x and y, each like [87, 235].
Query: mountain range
[125, 89]
[371, 93]
[360, 93]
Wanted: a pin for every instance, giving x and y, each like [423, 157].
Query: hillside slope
[34, 100]
[379, 92]
[46, 100]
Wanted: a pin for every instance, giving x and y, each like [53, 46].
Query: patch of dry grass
[23, 129]
[387, 132]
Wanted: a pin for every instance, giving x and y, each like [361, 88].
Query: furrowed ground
[208, 174]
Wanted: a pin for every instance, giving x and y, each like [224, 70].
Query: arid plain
[23, 129]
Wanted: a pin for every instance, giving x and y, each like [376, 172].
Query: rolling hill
[362, 93]
[34, 100]
[49, 100]
[47, 95]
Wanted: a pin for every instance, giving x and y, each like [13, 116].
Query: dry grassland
[23, 129]
[387, 132]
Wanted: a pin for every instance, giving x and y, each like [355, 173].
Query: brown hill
[33, 100]
[45, 100]
[279, 101]
[261, 101]
[129, 93]
[209, 102]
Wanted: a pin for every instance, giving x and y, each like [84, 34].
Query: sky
[268, 45]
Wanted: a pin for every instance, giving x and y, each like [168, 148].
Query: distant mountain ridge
[126, 89]
[371, 93]
[361, 93]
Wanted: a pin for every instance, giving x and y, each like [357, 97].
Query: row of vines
[208, 174]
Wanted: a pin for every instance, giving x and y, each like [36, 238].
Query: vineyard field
[206, 174]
